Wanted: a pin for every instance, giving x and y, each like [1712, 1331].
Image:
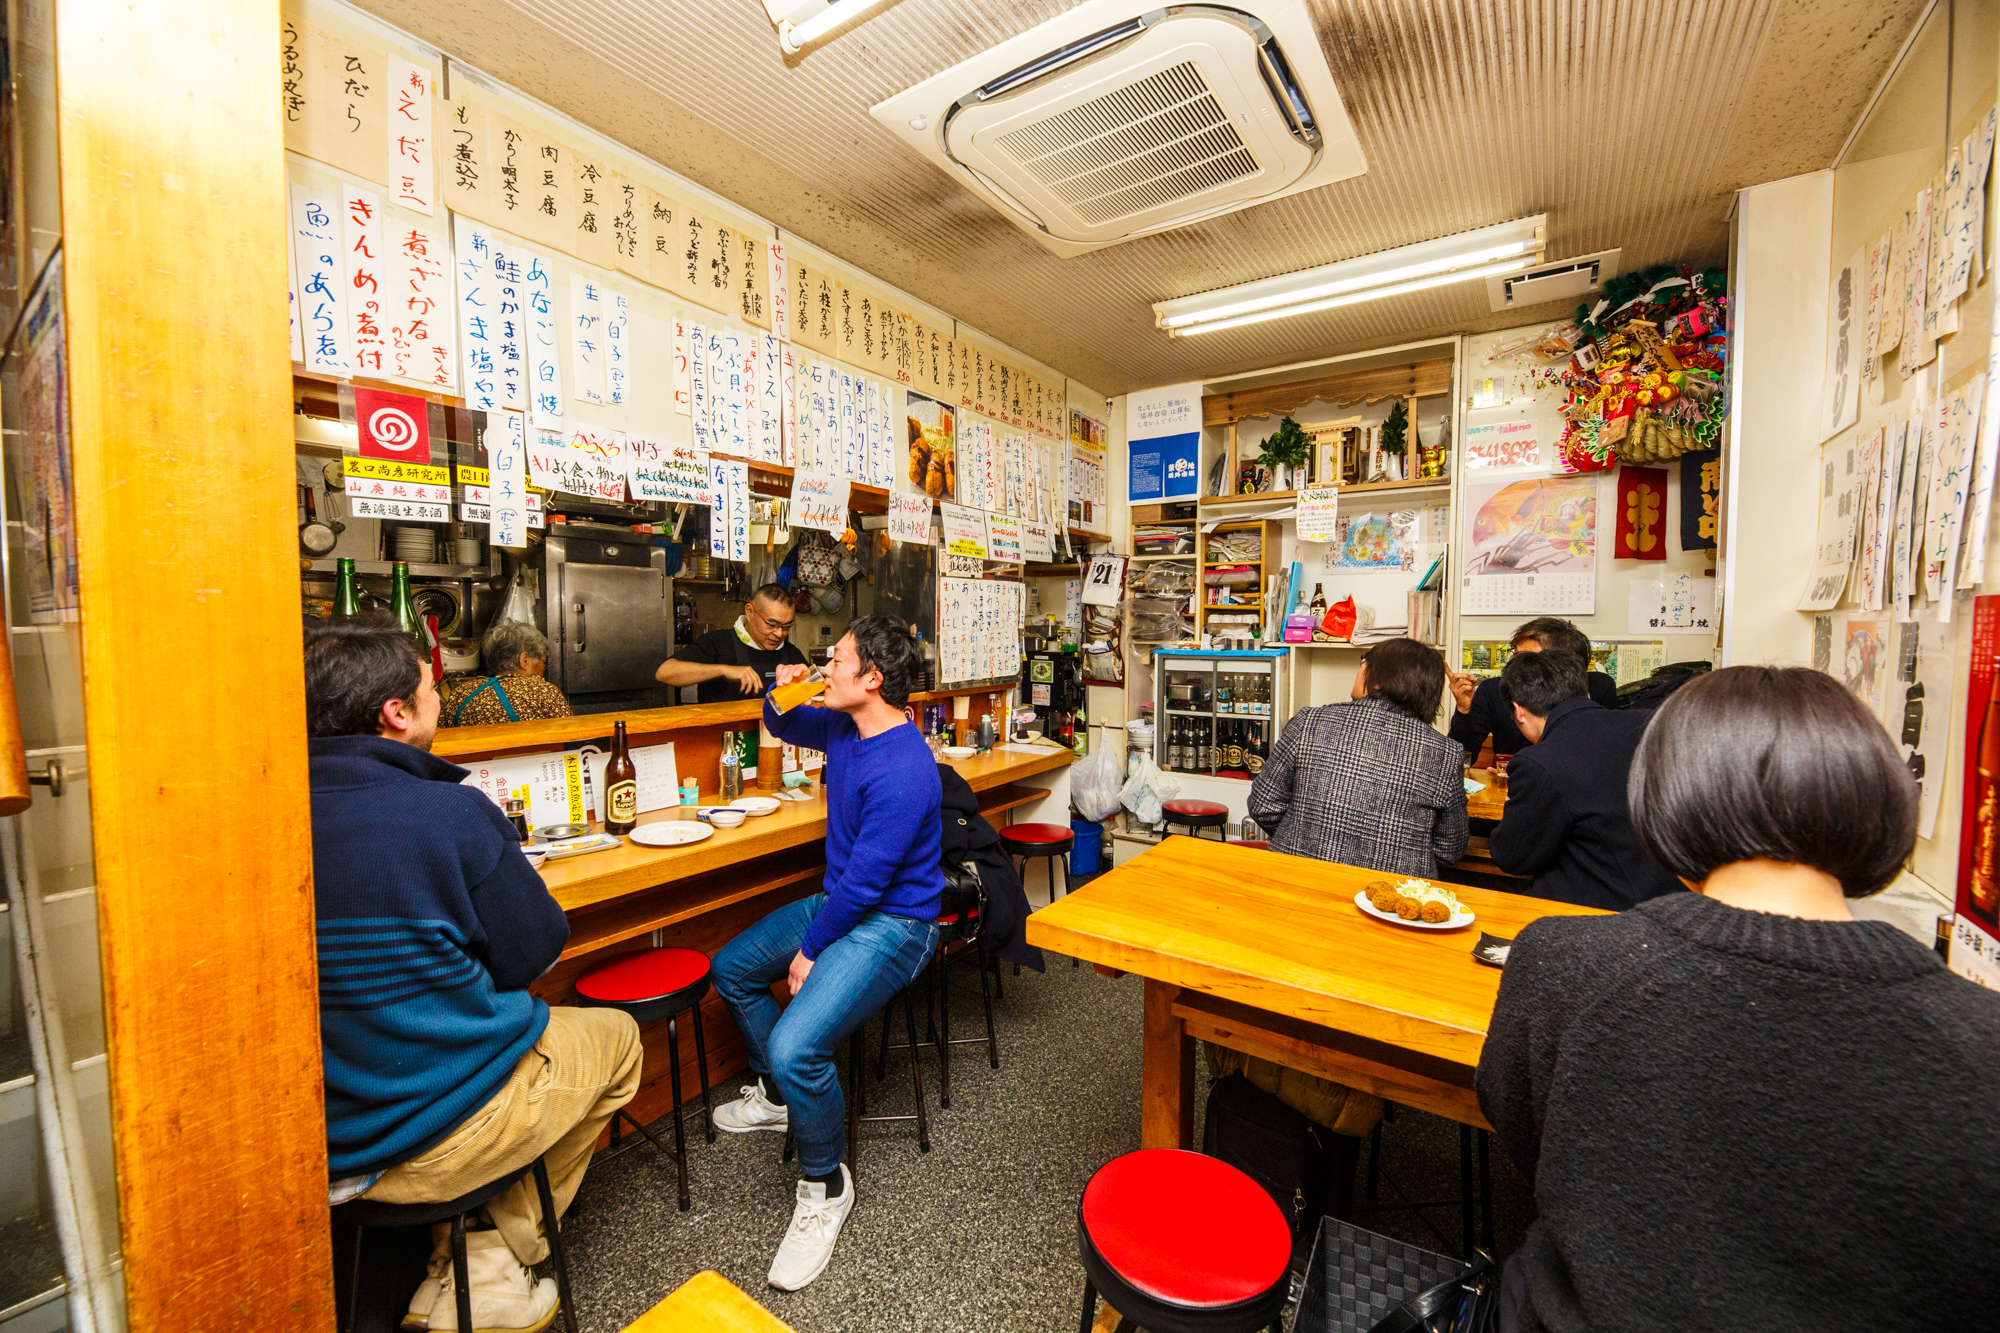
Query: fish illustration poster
[1531, 547]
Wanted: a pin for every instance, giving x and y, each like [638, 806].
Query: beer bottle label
[624, 802]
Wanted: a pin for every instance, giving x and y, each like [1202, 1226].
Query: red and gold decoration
[1644, 369]
[1642, 514]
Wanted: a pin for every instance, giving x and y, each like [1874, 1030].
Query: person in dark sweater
[1741, 1108]
[727, 665]
[846, 951]
[1566, 822]
[1482, 712]
[442, 1071]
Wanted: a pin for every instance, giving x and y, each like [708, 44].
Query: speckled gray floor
[977, 1234]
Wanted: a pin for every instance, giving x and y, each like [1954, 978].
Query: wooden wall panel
[172, 172]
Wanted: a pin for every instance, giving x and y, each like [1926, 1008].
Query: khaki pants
[585, 1067]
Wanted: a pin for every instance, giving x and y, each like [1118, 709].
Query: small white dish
[535, 855]
[1458, 919]
[671, 833]
[959, 751]
[593, 842]
[755, 806]
[722, 816]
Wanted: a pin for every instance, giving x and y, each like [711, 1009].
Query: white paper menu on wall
[1841, 396]
[910, 518]
[507, 457]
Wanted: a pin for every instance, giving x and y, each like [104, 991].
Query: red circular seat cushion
[1256, 845]
[1195, 808]
[645, 975]
[1186, 1229]
[1037, 833]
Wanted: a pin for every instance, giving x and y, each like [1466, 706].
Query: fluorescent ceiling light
[1487, 252]
[803, 22]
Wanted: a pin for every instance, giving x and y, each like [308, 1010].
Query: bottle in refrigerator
[621, 785]
[1173, 763]
[1255, 752]
[1224, 693]
[1232, 755]
[1213, 757]
[1985, 887]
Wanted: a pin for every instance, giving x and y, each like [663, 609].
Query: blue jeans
[852, 978]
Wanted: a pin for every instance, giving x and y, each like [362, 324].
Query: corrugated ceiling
[1629, 122]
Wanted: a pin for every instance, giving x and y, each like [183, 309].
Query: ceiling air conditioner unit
[1118, 120]
[1561, 280]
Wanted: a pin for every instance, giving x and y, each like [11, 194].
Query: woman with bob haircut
[1741, 1107]
[1372, 782]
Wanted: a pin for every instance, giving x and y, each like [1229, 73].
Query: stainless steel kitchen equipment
[610, 620]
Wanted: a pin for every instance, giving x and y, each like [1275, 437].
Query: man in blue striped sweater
[442, 1071]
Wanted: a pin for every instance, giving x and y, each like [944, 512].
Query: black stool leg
[1062, 860]
[701, 1059]
[986, 999]
[1374, 1160]
[680, 1131]
[552, 1232]
[354, 1281]
[789, 1142]
[941, 989]
[1089, 1307]
[461, 1273]
[857, 1102]
[1465, 1187]
[916, 1071]
[1486, 1189]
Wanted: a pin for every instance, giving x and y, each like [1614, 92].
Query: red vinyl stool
[1028, 841]
[650, 985]
[1256, 845]
[1179, 1242]
[1198, 815]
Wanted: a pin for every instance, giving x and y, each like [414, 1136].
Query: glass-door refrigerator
[1217, 714]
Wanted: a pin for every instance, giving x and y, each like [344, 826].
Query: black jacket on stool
[968, 837]
[1566, 821]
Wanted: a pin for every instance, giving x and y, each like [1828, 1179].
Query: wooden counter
[1268, 953]
[702, 895]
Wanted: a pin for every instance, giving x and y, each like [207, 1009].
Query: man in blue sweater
[846, 951]
[442, 1071]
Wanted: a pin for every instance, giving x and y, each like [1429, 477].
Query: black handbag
[1308, 1171]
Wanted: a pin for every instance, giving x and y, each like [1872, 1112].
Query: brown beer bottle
[621, 786]
[1985, 886]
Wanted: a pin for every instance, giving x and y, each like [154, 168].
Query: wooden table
[708, 1303]
[1490, 803]
[700, 896]
[1267, 954]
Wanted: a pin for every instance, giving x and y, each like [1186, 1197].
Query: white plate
[589, 842]
[755, 805]
[1459, 918]
[959, 751]
[671, 833]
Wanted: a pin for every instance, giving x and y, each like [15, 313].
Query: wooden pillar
[172, 169]
[1166, 1080]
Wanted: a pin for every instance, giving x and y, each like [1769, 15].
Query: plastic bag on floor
[1094, 784]
[1146, 790]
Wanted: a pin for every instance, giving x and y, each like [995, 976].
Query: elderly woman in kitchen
[514, 654]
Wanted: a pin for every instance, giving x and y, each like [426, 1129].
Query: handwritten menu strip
[586, 339]
[739, 510]
[719, 476]
[335, 98]
[316, 243]
[419, 299]
[544, 374]
[617, 347]
[412, 168]
[789, 403]
[663, 470]
[910, 518]
[361, 257]
[777, 283]
[820, 502]
[506, 442]
[478, 315]
[979, 622]
[1003, 538]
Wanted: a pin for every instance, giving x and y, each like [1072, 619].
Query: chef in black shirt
[1481, 709]
[740, 662]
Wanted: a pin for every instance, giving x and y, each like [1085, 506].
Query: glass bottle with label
[621, 785]
[1255, 752]
[1173, 760]
[1232, 753]
[1225, 691]
[346, 597]
[403, 607]
[1318, 604]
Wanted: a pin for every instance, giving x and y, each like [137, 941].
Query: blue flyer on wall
[1164, 427]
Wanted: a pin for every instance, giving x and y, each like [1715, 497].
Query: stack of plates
[416, 545]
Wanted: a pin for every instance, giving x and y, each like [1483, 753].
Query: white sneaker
[808, 1246]
[751, 1111]
[506, 1298]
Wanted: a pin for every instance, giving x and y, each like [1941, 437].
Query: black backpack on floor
[1308, 1171]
